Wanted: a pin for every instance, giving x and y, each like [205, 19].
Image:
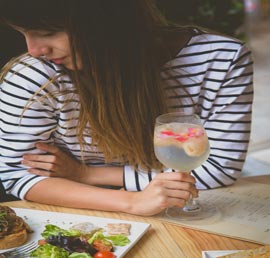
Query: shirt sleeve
[228, 124]
[136, 179]
[25, 118]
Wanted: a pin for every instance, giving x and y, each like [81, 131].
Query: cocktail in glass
[181, 143]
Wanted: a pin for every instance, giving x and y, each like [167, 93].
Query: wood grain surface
[163, 239]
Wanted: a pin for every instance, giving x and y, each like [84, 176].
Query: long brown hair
[119, 85]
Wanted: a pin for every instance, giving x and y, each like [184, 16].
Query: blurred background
[248, 20]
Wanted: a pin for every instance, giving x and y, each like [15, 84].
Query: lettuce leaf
[53, 230]
[49, 251]
[80, 255]
[118, 240]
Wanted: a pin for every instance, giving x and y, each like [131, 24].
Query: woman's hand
[56, 163]
[164, 191]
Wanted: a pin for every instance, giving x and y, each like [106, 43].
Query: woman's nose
[36, 48]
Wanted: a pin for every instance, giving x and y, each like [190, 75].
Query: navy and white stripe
[216, 72]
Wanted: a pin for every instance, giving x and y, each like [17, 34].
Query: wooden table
[162, 240]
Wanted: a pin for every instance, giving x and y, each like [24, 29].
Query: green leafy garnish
[52, 230]
[119, 240]
[3, 220]
[80, 255]
[49, 251]
[3, 214]
[97, 235]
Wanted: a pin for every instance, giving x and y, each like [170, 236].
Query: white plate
[37, 220]
[215, 254]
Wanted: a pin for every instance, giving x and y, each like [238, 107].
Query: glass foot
[202, 214]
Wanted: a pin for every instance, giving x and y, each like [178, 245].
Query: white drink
[181, 146]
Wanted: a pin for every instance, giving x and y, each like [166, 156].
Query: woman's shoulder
[30, 66]
[203, 39]
[31, 72]
[208, 48]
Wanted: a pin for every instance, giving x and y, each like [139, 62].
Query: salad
[84, 240]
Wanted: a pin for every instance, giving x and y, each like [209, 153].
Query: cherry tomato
[104, 254]
[42, 242]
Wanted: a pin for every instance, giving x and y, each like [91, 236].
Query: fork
[19, 252]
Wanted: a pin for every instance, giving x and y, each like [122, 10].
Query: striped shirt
[216, 73]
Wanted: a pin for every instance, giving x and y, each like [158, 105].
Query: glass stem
[191, 206]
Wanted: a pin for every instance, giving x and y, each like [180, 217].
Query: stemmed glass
[181, 143]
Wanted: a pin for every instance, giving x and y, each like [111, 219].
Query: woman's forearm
[100, 176]
[165, 190]
[63, 192]
[58, 163]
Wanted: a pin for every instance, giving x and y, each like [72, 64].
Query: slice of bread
[13, 239]
[13, 229]
[118, 228]
[260, 252]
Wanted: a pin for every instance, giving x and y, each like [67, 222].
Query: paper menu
[248, 203]
[245, 212]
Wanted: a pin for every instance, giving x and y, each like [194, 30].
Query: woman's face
[52, 45]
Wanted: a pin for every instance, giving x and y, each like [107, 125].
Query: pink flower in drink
[182, 137]
[168, 133]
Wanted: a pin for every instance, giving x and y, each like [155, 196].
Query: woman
[78, 111]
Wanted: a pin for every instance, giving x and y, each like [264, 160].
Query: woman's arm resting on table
[71, 185]
[58, 163]
[167, 189]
